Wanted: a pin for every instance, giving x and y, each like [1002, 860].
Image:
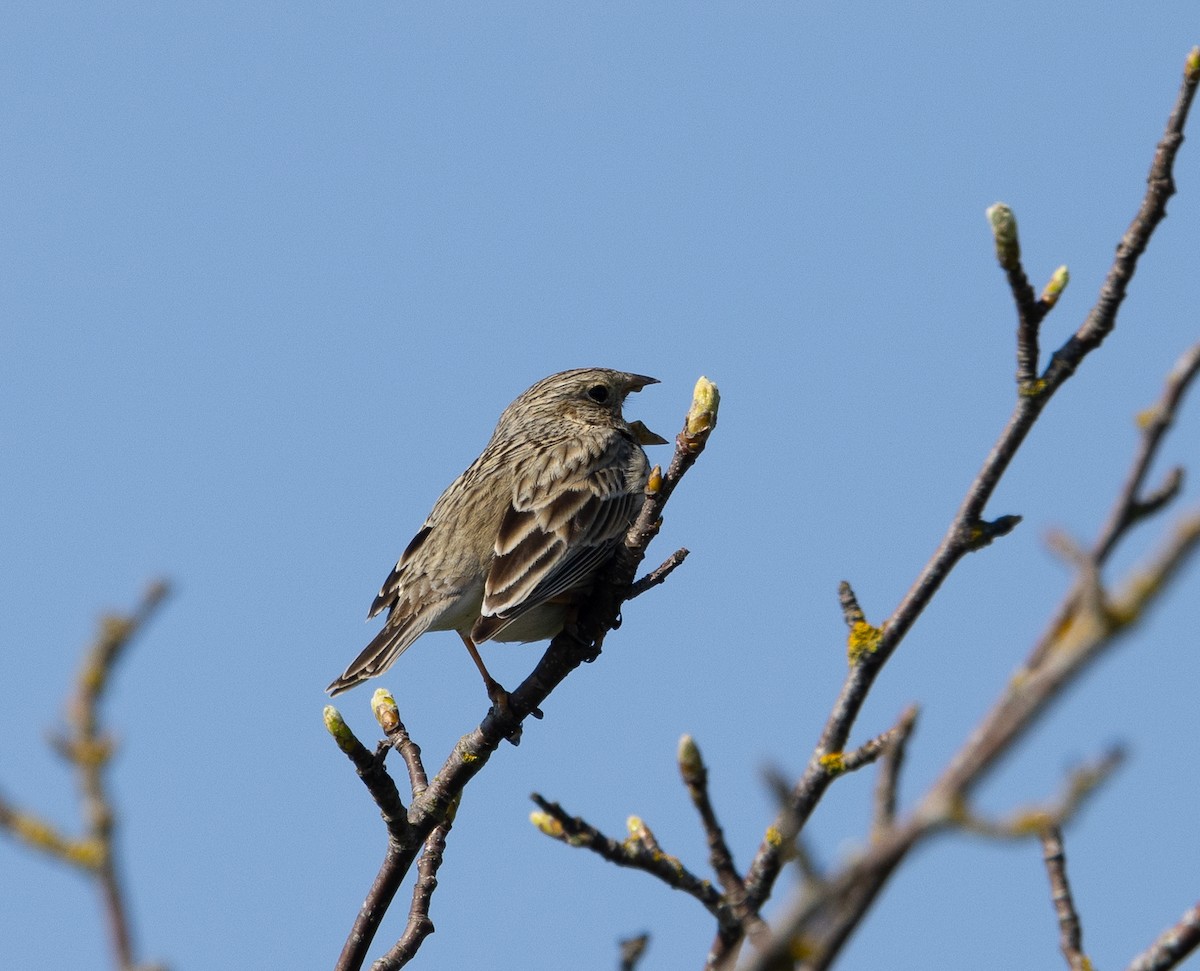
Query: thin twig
[1132, 505]
[968, 530]
[374, 774]
[890, 763]
[659, 573]
[388, 716]
[1069, 930]
[1030, 311]
[848, 600]
[633, 949]
[90, 750]
[1081, 783]
[640, 851]
[695, 778]
[871, 749]
[38, 834]
[419, 925]
[88, 747]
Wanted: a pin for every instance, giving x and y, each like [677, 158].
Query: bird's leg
[495, 690]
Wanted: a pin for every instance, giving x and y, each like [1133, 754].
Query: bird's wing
[389, 593]
[554, 538]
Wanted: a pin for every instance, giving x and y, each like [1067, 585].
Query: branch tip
[691, 765]
[383, 707]
[547, 824]
[336, 726]
[702, 416]
[1004, 232]
[632, 951]
[659, 574]
[851, 611]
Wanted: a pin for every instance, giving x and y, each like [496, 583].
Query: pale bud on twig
[702, 416]
[1004, 231]
[1058, 283]
[383, 707]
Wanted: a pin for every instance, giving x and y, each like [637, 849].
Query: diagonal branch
[1172, 946]
[968, 530]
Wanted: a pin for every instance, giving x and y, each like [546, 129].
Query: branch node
[982, 532]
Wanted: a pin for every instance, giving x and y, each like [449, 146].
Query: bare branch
[659, 574]
[388, 715]
[1172, 946]
[632, 951]
[1081, 783]
[639, 851]
[89, 749]
[370, 768]
[873, 748]
[968, 531]
[889, 771]
[848, 600]
[695, 777]
[1070, 932]
[419, 925]
[1131, 505]
[1030, 310]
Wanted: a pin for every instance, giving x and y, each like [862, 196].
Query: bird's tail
[379, 655]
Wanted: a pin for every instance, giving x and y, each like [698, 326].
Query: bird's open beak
[645, 436]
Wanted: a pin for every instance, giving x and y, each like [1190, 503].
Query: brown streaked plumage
[520, 535]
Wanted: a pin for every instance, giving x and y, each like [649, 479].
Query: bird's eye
[598, 393]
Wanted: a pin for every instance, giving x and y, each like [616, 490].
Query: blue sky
[270, 275]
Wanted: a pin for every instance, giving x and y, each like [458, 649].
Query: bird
[516, 541]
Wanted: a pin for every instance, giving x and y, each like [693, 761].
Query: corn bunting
[517, 540]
